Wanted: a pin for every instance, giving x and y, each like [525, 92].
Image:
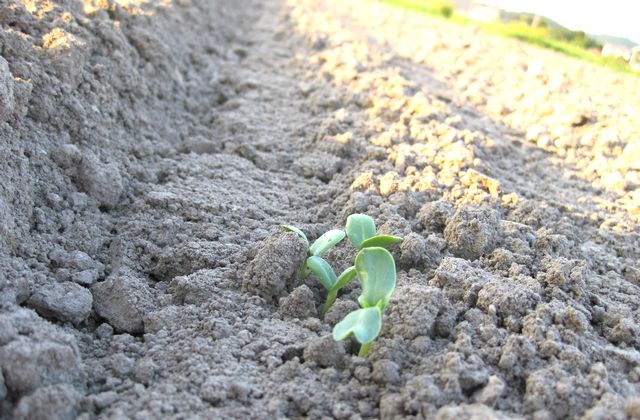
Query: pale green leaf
[384, 241]
[345, 278]
[360, 227]
[377, 272]
[297, 232]
[364, 324]
[322, 270]
[327, 241]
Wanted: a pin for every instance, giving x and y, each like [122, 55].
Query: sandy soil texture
[151, 149]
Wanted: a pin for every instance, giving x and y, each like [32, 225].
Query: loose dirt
[151, 149]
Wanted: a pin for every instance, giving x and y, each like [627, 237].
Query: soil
[151, 149]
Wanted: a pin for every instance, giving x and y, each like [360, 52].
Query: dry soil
[151, 149]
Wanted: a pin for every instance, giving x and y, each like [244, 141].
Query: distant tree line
[554, 30]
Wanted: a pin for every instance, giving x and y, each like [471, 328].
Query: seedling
[361, 231]
[374, 266]
[376, 269]
[320, 267]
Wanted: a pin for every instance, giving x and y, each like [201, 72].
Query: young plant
[361, 231]
[374, 266]
[319, 247]
[376, 269]
[320, 267]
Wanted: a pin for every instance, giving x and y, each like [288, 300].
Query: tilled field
[150, 151]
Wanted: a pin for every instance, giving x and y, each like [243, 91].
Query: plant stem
[364, 349]
[304, 271]
[331, 297]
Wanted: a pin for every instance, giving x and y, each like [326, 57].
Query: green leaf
[360, 227]
[326, 242]
[384, 241]
[297, 232]
[364, 324]
[322, 270]
[377, 272]
[345, 278]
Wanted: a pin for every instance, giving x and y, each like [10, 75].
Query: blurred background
[606, 33]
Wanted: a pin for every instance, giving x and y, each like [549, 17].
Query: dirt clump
[272, 272]
[472, 232]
